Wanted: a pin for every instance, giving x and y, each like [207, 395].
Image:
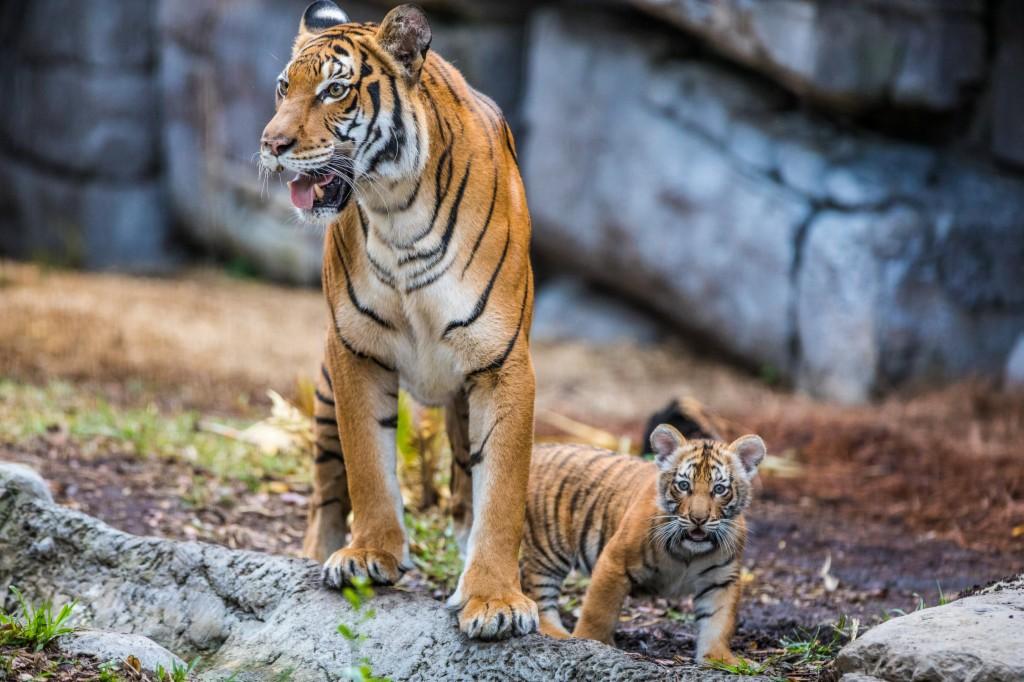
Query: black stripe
[328, 456]
[500, 360]
[540, 558]
[438, 252]
[558, 499]
[332, 500]
[363, 310]
[444, 161]
[712, 587]
[326, 420]
[478, 456]
[701, 615]
[508, 143]
[389, 422]
[481, 302]
[716, 566]
[487, 224]
[430, 280]
[327, 377]
[597, 501]
[322, 398]
[584, 488]
[361, 355]
[397, 140]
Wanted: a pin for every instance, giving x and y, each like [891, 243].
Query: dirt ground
[918, 496]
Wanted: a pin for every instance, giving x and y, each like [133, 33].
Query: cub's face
[703, 488]
[342, 118]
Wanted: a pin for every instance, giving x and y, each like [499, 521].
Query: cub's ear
[405, 35]
[751, 450]
[665, 440]
[320, 16]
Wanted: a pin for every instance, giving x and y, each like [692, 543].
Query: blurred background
[827, 192]
[807, 214]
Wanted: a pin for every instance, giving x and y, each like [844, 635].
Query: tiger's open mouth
[319, 191]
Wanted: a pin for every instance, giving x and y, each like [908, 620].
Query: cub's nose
[278, 144]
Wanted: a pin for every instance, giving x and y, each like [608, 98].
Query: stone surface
[110, 132]
[851, 262]
[566, 309]
[255, 616]
[1014, 375]
[848, 55]
[100, 33]
[975, 638]
[96, 225]
[117, 646]
[1007, 95]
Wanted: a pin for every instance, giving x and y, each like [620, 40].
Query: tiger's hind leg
[461, 484]
[329, 506]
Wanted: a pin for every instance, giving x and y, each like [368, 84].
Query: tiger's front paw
[498, 617]
[378, 566]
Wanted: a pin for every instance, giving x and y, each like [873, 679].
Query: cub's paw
[552, 627]
[378, 566]
[498, 617]
[720, 656]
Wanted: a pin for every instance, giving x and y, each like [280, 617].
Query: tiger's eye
[335, 89]
[719, 489]
[684, 486]
[282, 87]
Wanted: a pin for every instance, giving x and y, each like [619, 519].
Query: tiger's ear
[405, 35]
[665, 440]
[318, 17]
[751, 450]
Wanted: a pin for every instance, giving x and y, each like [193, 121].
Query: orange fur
[429, 287]
[637, 526]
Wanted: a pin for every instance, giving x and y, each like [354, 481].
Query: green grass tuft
[177, 673]
[34, 627]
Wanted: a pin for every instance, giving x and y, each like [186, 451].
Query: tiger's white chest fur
[417, 298]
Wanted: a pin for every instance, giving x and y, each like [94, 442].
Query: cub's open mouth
[696, 535]
[319, 191]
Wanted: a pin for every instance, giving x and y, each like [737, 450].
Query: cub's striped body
[669, 528]
[429, 287]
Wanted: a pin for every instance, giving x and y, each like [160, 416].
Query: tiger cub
[670, 527]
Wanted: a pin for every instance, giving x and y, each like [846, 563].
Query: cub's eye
[282, 87]
[719, 489]
[335, 90]
[683, 486]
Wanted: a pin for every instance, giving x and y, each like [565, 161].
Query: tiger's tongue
[302, 191]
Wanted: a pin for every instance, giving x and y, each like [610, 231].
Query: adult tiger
[429, 287]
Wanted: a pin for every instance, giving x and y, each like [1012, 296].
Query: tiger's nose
[699, 520]
[278, 144]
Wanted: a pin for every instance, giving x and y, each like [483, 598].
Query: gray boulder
[980, 637]
[566, 309]
[849, 262]
[254, 616]
[848, 55]
[1014, 375]
[117, 646]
